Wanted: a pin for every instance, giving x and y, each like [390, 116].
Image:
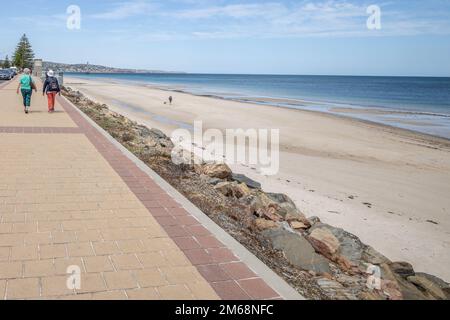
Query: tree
[6, 63]
[24, 55]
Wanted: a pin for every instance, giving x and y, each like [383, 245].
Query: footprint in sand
[368, 205]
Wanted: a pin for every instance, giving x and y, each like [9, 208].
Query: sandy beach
[388, 186]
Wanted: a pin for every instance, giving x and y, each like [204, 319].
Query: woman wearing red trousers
[51, 88]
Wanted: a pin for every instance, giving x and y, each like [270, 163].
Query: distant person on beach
[170, 99]
[51, 88]
[26, 87]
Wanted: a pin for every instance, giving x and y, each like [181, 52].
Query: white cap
[50, 73]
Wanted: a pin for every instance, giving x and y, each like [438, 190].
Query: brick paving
[69, 197]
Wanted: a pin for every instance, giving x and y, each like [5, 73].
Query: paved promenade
[70, 198]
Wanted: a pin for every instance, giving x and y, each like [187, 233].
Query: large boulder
[324, 242]
[214, 170]
[281, 198]
[348, 253]
[283, 206]
[158, 133]
[445, 287]
[429, 286]
[370, 255]
[403, 269]
[408, 290]
[297, 250]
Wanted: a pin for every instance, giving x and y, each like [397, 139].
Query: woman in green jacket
[26, 87]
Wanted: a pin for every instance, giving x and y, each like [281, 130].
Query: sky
[331, 37]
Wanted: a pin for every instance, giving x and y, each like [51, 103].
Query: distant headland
[91, 68]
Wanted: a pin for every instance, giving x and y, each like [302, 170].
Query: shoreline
[430, 138]
[331, 166]
[339, 109]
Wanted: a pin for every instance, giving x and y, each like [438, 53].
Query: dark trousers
[26, 94]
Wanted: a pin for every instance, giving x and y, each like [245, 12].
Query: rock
[313, 220]
[241, 190]
[126, 137]
[283, 205]
[391, 289]
[281, 198]
[292, 213]
[428, 286]
[232, 189]
[444, 286]
[265, 200]
[335, 290]
[154, 137]
[324, 242]
[143, 131]
[297, 225]
[297, 250]
[372, 256]
[438, 281]
[244, 179]
[179, 157]
[286, 205]
[158, 133]
[350, 247]
[209, 180]
[150, 142]
[166, 143]
[404, 269]
[263, 224]
[215, 170]
[253, 202]
[407, 289]
[225, 188]
[350, 281]
[270, 213]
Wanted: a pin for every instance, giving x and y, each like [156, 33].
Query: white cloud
[266, 10]
[277, 19]
[126, 10]
[327, 18]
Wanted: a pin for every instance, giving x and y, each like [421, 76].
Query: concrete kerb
[262, 270]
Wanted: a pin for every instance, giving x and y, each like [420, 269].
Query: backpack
[53, 84]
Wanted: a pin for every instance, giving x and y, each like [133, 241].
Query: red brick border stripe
[227, 275]
[40, 130]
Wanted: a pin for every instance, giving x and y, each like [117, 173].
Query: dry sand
[388, 186]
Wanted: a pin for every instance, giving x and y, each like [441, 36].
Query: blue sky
[239, 36]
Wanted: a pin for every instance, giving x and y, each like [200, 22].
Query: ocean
[416, 103]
